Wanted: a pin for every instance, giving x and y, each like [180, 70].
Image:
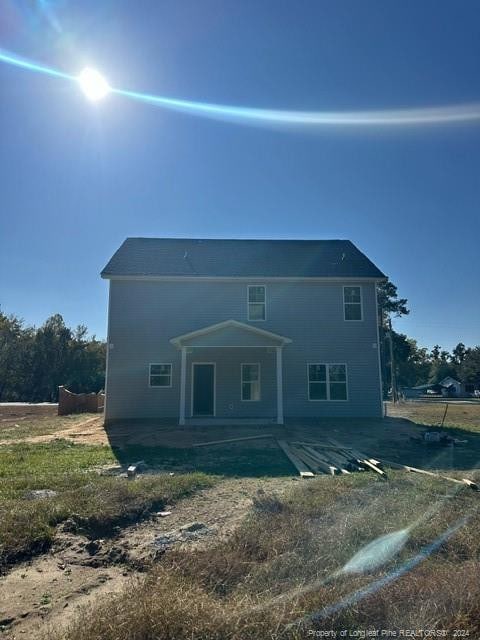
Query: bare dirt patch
[11, 411]
[49, 590]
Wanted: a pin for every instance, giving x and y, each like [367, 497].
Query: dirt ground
[395, 437]
[50, 589]
[12, 412]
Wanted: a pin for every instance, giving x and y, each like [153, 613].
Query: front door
[203, 389]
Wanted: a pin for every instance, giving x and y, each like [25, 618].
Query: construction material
[314, 463]
[372, 466]
[405, 467]
[321, 445]
[212, 442]
[299, 465]
[339, 463]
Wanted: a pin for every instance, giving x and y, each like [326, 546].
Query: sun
[93, 84]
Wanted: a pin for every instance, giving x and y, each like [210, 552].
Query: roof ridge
[241, 239]
[241, 257]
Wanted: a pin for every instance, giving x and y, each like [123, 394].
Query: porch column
[279, 386]
[183, 379]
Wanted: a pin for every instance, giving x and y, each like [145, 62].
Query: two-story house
[225, 330]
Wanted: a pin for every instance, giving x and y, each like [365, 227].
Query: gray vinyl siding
[145, 315]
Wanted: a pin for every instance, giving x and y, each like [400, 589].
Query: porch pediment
[230, 333]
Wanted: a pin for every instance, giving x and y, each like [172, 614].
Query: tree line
[35, 361]
[415, 365]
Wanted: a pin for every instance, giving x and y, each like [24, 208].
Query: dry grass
[459, 416]
[281, 566]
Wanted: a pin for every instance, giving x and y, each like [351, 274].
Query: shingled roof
[240, 258]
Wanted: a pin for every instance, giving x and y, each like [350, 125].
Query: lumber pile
[332, 458]
[328, 457]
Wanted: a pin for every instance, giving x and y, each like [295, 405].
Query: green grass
[93, 503]
[40, 425]
[237, 459]
[282, 564]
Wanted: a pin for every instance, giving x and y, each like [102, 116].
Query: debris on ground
[438, 438]
[331, 458]
[212, 442]
[464, 481]
[135, 468]
[190, 532]
[39, 494]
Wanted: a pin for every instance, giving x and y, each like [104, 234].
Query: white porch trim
[279, 385]
[183, 380]
[184, 343]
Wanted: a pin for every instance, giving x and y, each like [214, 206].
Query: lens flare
[93, 84]
[96, 87]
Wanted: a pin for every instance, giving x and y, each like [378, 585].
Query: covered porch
[216, 364]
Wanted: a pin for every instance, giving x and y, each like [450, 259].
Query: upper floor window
[160, 375]
[257, 306]
[251, 382]
[327, 381]
[352, 303]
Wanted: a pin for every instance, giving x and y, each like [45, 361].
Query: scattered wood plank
[359, 455]
[372, 466]
[206, 444]
[318, 465]
[406, 467]
[320, 445]
[299, 465]
[330, 457]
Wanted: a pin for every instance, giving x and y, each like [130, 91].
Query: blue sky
[77, 177]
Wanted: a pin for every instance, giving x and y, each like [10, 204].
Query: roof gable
[182, 257]
[230, 333]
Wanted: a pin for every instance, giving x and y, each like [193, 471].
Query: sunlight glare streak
[377, 553]
[281, 118]
[23, 63]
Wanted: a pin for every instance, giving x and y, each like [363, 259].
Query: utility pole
[393, 376]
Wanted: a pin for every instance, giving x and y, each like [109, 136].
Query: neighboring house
[414, 392]
[448, 388]
[219, 330]
[451, 387]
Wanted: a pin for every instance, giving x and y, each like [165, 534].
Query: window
[256, 303]
[160, 375]
[327, 381]
[250, 382]
[352, 303]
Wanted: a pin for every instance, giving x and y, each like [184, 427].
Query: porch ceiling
[230, 333]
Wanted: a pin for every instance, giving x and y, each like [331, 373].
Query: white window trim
[327, 381]
[264, 303]
[193, 415]
[359, 286]
[164, 364]
[249, 381]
